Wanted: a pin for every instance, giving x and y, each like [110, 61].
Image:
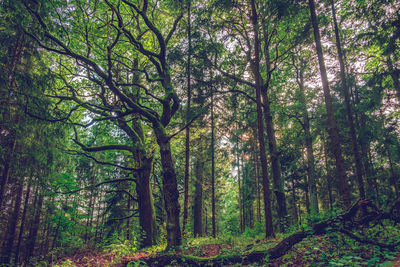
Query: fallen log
[361, 213]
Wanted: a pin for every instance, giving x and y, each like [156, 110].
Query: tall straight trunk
[312, 185]
[349, 112]
[198, 199]
[257, 166]
[11, 228]
[328, 177]
[22, 226]
[14, 59]
[212, 168]
[145, 200]
[307, 194]
[31, 241]
[279, 190]
[187, 140]
[296, 216]
[240, 200]
[44, 248]
[55, 235]
[170, 188]
[335, 144]
[205, 221]
[243, 197]
[278, 184]
[269, 231]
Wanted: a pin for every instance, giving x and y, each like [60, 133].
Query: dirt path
[396, 262]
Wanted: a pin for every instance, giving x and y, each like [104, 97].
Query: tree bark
[11, 228]
[212, 168]
[22, 226]
[296, 216]
[349, 112]
[328, 176]
[145, 200]
[257, 166]
[279, 190]
[31, 240]
[239, 187]
[333, 130]
[170, 189]
[187, 139]
[198, 199]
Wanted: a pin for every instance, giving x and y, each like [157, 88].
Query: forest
[199, 133]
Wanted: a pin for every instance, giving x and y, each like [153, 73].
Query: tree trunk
[257, 166]
[239, 188]
[143, 189]
[145, 200]
[170, 189]
[198, 199]
[260, 127]
[312, 186]
[31, 241]
[306, 194]
[22, 226]
[333, 130]
[349, 112]
[328, 177]
[242, 196]
[296, 216]
[15, 55]
[212, 168]
[279, 190]
[12, 227]
[187, 140]
[278, 184]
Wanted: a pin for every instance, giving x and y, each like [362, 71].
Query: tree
[332, 127]
[109, 73]
[187, 140]
[345, 89]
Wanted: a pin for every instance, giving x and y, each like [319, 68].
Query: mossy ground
[332, 249]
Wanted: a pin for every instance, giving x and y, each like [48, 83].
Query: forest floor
[396, 262]
[332, 249]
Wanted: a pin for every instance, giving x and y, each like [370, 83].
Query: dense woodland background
[147, 122]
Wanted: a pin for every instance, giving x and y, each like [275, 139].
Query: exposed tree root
[360, 214]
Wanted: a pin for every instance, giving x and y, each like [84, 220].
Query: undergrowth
[331, 249]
